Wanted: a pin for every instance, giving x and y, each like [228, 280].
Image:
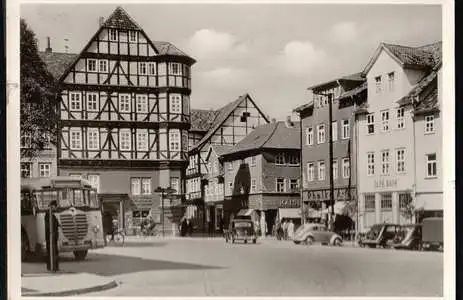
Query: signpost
[164, 192]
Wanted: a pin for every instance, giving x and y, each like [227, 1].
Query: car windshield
[374, 231]
[67, 198]
[242, 224]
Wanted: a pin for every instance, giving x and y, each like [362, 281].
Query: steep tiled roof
[354, 91]
[416, 91]
[222, 149]
[362, 109]
[221, 115]
[352, 77]
[202, 119]
[429, 103]
[120, 19]
[166, 48]
[303, 107]
[56, 62]
[270, 136]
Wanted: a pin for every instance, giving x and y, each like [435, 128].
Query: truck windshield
[67, 198]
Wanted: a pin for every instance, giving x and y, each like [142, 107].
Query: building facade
[262, 173]
[346, 94]
[228, 125]
[42, 165]
[391, 165]
[124, 118]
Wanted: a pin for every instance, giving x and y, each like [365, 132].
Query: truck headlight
[96, 228]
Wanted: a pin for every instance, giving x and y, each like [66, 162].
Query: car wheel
[372, 246]
[309, 240]
[337, 242]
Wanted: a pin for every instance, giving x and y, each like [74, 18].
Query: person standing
[290, 230]
[284, 226]
[52, 240]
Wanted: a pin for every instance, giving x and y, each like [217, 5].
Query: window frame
[152, 67]
[253, 185]
[345, 132]
[371, 122]
[280, 182]
[171, 69]
[371, 163]
[112, 31]
[95, 101]
[135, 36]
[321, 166]
[321, 133]
[400, 115]
[95, 142]
[391, 81]
[43, 164]
[378, 84]
[309, 136]
[95, 65]
[142, 68]
[127, 106]
[369, 198]
[91, 181]
[383, 201]
[122, 134]
[385, 163]
[141, 102]
[174, 144]
[75, 101]
[431, 162]
[385, 122]
[136, 180]
[280, 159]
[400, 159]
[346, 168]
[145, 145]
[28, 169]
[294, 185]
[173, 98]
[71, 145]
[335, 170]
[310, 171]
[142, 188]
[334, 130]
[429, 120]
[106, 64]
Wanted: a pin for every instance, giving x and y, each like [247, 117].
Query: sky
[273, 52]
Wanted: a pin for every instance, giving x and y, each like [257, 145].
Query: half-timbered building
[124, 117]
[225, 126]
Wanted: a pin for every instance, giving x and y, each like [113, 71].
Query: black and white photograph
[232, 149]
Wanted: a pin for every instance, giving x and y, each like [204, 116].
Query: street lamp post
[164, 192]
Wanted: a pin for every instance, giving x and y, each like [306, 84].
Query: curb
[75, 292]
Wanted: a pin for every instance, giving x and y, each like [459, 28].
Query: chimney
[101, 21]
[48, 49]
[288, 122]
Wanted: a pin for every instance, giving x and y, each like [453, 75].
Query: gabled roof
[166, 48]
[221, 115]
[57, 62]
[202, 119]
[219, 150]
[276, 135]
[354, 91]
[424, 57]
[303, 107]
[352, 77]
[120, 19]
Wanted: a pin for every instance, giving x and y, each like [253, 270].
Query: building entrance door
[270, 219]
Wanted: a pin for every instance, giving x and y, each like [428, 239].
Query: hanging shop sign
[289, 203]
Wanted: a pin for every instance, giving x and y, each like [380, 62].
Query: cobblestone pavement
[211, 267]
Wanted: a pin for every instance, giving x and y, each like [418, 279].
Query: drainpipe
[413, 220]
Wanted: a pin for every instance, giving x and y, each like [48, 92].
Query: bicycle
[118, 237]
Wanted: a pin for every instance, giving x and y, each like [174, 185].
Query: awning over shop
[289, 213]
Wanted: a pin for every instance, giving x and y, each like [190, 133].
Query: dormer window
[112, 34]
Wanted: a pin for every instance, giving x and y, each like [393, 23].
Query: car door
[324, 234]
[315, 232]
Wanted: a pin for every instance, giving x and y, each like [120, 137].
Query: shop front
[117, 206]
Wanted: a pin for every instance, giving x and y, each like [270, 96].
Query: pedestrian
[189, 227]
[52, 241]
[107, 225]
[284, 227]
[290, 230]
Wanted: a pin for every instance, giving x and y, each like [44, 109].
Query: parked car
[408, 237]
[241, 230]
[309, 234]
[433, 233]
[380, 235]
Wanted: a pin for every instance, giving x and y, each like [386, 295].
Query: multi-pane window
[142, 68]
[390, 80]
[92, 101]
[112, 34]
[345, 129]
[370, 202]
[431, 165]
[132, 36]
[103, 67]
[335, 169]
[400, 160]
[175, 69]
[146, 186]
[142, 140]
[334, 130]
[310, 171]
[429, 124]
[385, 162]
[91, 65]
[404, 200]
[400, 118]
[94, 180]
[293, 159]
[174, 140]
[175, 103]
[309, 136]
[386, 201]
[378, 84]
[320, 133]
[370, 163]
[75, 102]
[294, 185]
[345, 167]
[152, 68]
[142, 103]
[26, 170]
[280, 158]
[76, 139]
[124, 140]
[44, 169]
[26, 140]
[93, 139]
[321, 170]
[370, 124]
[124, 102]
[280, 185]
[135, 186]
[253, 185]
[385, 120]
[175, 184]
[253, 161]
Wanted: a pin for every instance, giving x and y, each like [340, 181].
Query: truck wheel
[80, 255]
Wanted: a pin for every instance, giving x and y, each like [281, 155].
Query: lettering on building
[385, 183]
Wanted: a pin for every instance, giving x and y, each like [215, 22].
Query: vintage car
[241, 230]
[310, 233]
[380, 235]
[408, 237]
[433, 233]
